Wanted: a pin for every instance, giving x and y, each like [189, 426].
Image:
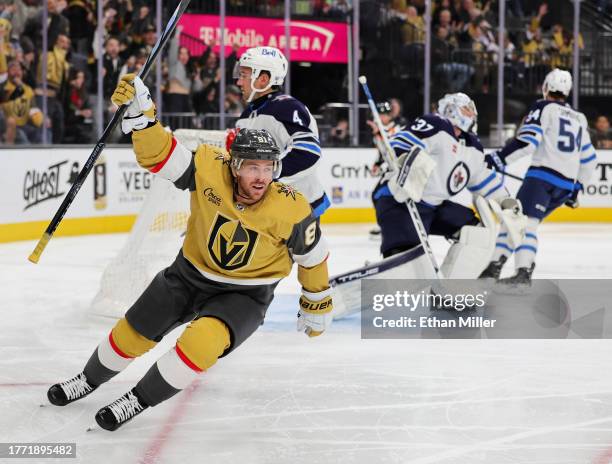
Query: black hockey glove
[494, 161]
[572, 200]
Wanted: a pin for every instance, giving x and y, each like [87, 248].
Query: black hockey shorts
[181, 294]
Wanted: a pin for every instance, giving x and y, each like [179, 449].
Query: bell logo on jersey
[458, 178]
[231, 244]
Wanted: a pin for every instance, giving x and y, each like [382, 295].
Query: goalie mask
[254, 144]
[460, 110]
[260, 59]
[557, 81]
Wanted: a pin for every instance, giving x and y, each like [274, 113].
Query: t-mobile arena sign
[316, 41]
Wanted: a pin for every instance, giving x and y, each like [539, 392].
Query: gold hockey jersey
[230, 242]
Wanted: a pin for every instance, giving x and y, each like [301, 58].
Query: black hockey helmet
[255, 144]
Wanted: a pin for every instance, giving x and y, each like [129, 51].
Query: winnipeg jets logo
[287, 190]
[231, 244]
[458, 178]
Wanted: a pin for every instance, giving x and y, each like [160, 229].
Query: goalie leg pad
[470, 255]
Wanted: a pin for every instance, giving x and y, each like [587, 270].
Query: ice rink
[284, 398]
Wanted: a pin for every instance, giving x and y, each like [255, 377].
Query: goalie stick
[388, 155]
[101, 143]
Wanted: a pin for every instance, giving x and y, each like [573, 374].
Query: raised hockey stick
[389, 155]
[101, 143]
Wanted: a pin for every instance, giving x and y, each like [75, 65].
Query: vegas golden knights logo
[230, 243]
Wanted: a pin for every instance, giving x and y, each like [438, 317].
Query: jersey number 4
[568, 141]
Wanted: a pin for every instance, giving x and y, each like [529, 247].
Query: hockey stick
[511, 176]
[388, 155]
[101, 143]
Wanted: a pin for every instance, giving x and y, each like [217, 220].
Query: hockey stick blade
[101, 143]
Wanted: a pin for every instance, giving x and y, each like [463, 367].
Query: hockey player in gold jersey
[243, 235]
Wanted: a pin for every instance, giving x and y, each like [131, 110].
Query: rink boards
[36, 180]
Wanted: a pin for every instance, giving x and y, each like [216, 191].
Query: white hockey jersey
[295, 132]
[558, 138]
[459, 161]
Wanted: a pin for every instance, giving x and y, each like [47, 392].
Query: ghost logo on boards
[231, 244]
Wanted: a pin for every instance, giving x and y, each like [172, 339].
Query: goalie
[243, 235]
[438, 156]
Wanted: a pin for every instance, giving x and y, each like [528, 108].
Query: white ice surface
[284, 398]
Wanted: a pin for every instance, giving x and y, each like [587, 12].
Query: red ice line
[159, 441]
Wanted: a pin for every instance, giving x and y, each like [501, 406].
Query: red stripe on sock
[116, 348]
[186, 360]
[161, 164]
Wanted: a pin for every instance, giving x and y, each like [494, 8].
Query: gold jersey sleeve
[247, 245]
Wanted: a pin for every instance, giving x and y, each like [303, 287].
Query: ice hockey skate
[69, 391]
[120, 411]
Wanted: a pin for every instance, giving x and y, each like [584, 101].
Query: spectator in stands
[111, 66]
[7, 50]
[57, 24]
[233, 101]
[413, 31]
[210, 101]
[182, 82]
[563, 47]
[601, 135]
[27, 62]
[82, 23]
[210, 76]
[57, 75]
[17, 12]
[77, 110]
[339, 134]
[454, 75]
[141, 21]
[483, 47]
[22, 118]
[535, 60]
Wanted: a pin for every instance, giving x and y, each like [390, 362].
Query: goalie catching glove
[409, 180]
[141, 110]
[315, 313]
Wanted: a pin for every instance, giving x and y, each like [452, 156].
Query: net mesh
[154, 240]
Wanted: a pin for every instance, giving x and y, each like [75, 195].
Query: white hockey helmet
[454, 106]
[260, 59]
[557, 80]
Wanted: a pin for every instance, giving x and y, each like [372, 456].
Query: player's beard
[249, 197]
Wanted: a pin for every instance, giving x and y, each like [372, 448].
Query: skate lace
[76, 387]
[126, 407]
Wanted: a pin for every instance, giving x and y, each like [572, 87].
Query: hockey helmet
[557, 80]
[260, 59]
[254, 144]
[454, 106]
[383, 107]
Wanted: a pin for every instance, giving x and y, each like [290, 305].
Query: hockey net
[154, 240]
